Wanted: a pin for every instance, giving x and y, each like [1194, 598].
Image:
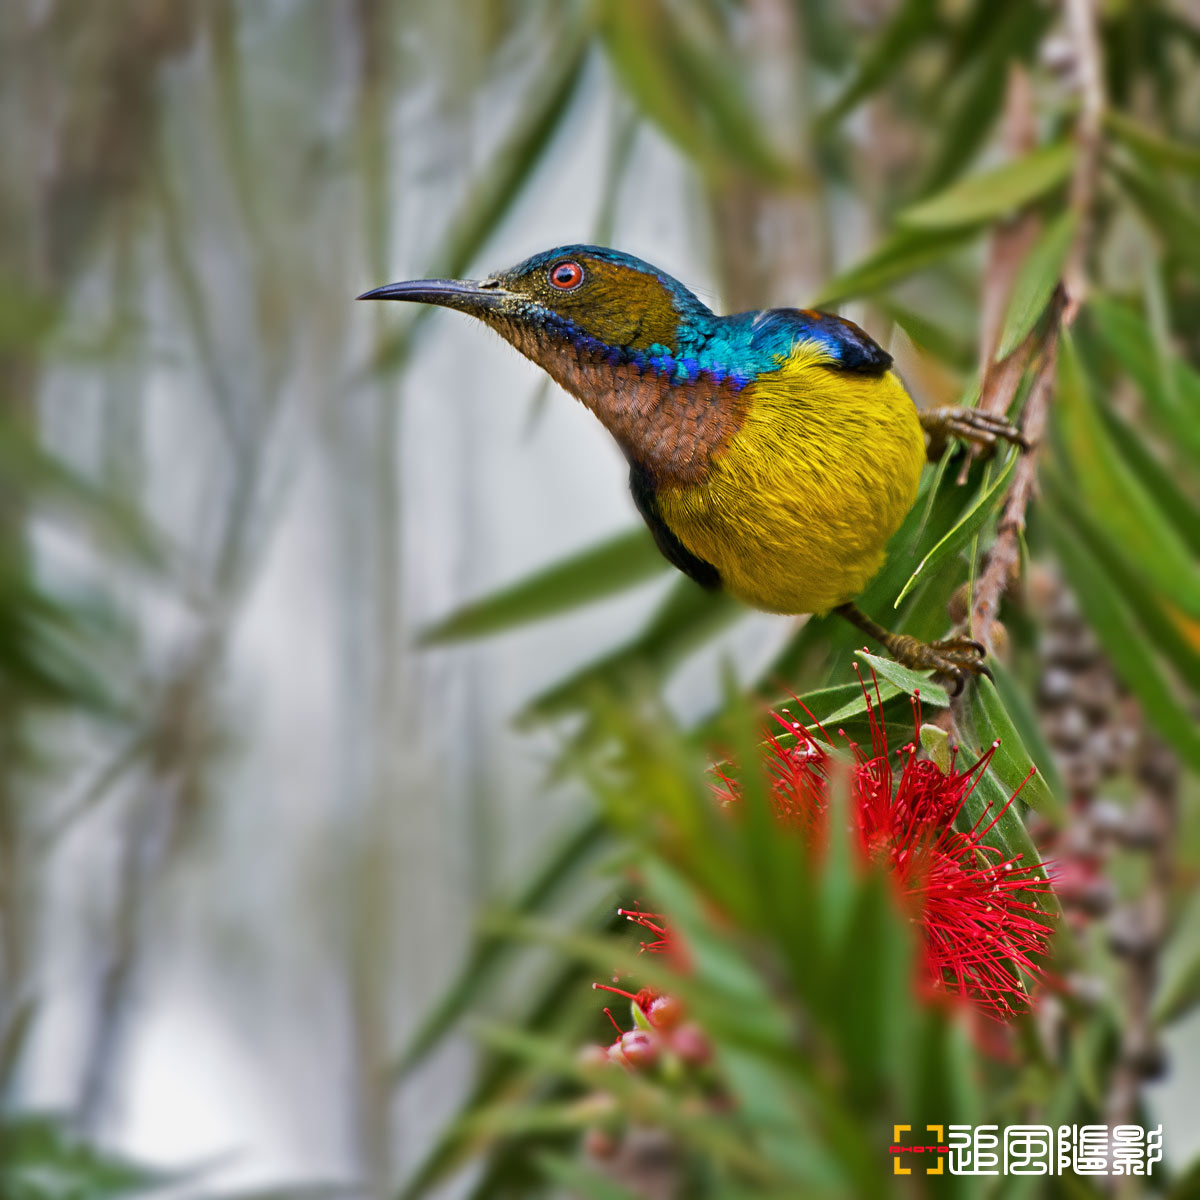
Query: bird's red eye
[566, 275]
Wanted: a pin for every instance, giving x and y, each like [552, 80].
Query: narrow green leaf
[1112, 492]
[1016, 701]
[968, 526]
[1176, 635]
[1011, 762]
[885, 54]
[501, 182]
[599, 571]
[1173, 222]
[1172, 390]
[902, 254]
[907, 680]
[988, 805]
[927, 335]
[688, 617]
[1151, 146]
[563, 863]
[1036, 281]
[1178, 991]
[1156, 477]
[994, 193]
[1132, 655]
[569, 1173]
[693, 92]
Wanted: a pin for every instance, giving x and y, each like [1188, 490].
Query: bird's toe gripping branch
[972, 425]
[955, 657]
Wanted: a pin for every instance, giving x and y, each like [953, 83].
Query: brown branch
[1005, 553]
[1085, 41]
[1002, 379]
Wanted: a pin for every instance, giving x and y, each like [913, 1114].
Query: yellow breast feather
[797, 510]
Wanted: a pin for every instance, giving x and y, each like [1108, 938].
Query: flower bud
[638, 1049]
[664, 1012]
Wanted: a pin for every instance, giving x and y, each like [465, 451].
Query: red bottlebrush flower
[972, 904]
[655, 923]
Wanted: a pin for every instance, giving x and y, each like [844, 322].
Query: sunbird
[772, 453]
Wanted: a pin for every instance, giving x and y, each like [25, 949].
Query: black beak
[467, 295]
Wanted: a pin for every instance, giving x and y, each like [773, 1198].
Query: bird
[772, 453]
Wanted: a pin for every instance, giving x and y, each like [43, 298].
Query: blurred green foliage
[884, 155]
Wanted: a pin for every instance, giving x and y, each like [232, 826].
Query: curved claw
[970, 425]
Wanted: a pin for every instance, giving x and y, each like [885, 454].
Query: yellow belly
[798, 509]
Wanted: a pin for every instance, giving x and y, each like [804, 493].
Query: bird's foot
[955, 657]
[972, 425]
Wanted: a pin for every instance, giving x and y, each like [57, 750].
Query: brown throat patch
[671, 429]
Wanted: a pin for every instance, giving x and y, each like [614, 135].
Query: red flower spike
[972, 905]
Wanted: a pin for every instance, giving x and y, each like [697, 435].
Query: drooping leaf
[687, 617]
[994, 193]
[1036, 281]
[911, 23]
[1175, 634]
[1011, 762]
[1174, 222]
[565, 861]
[1171, 389]
[505, 177]
[1178, 991]
[1112, 492]
[1127, 646]
[902, 254]
[590, 575]
[582, 1181]
[41, 1155]
[968, 526]
[1151, 146]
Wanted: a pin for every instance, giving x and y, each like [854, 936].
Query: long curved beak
[468, 295]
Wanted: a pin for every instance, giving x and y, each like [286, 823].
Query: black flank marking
[671, 548]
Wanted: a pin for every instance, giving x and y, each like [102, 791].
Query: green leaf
[968, 526]
[562, 865]
[599, 571]
[1151, 146]
[902, 254]
[1156, 477]
[995, 193]
[41, 1156]
[1015, 699]
[695, 93]
[1036, 281]
[1171, 388]
[1176, 635]
[1178, 991]
[687, 618]
[582, 1181]
[909, 681]
[1011, 762]
[912, 23]
[497, 186]
[1112, 492]
[1132, 655]
[1001, 35]
[1175, 224]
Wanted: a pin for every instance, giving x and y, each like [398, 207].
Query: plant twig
[1005, 553]
[1085, 40]
[1001, 383]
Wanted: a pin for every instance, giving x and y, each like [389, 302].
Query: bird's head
[567, 299]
